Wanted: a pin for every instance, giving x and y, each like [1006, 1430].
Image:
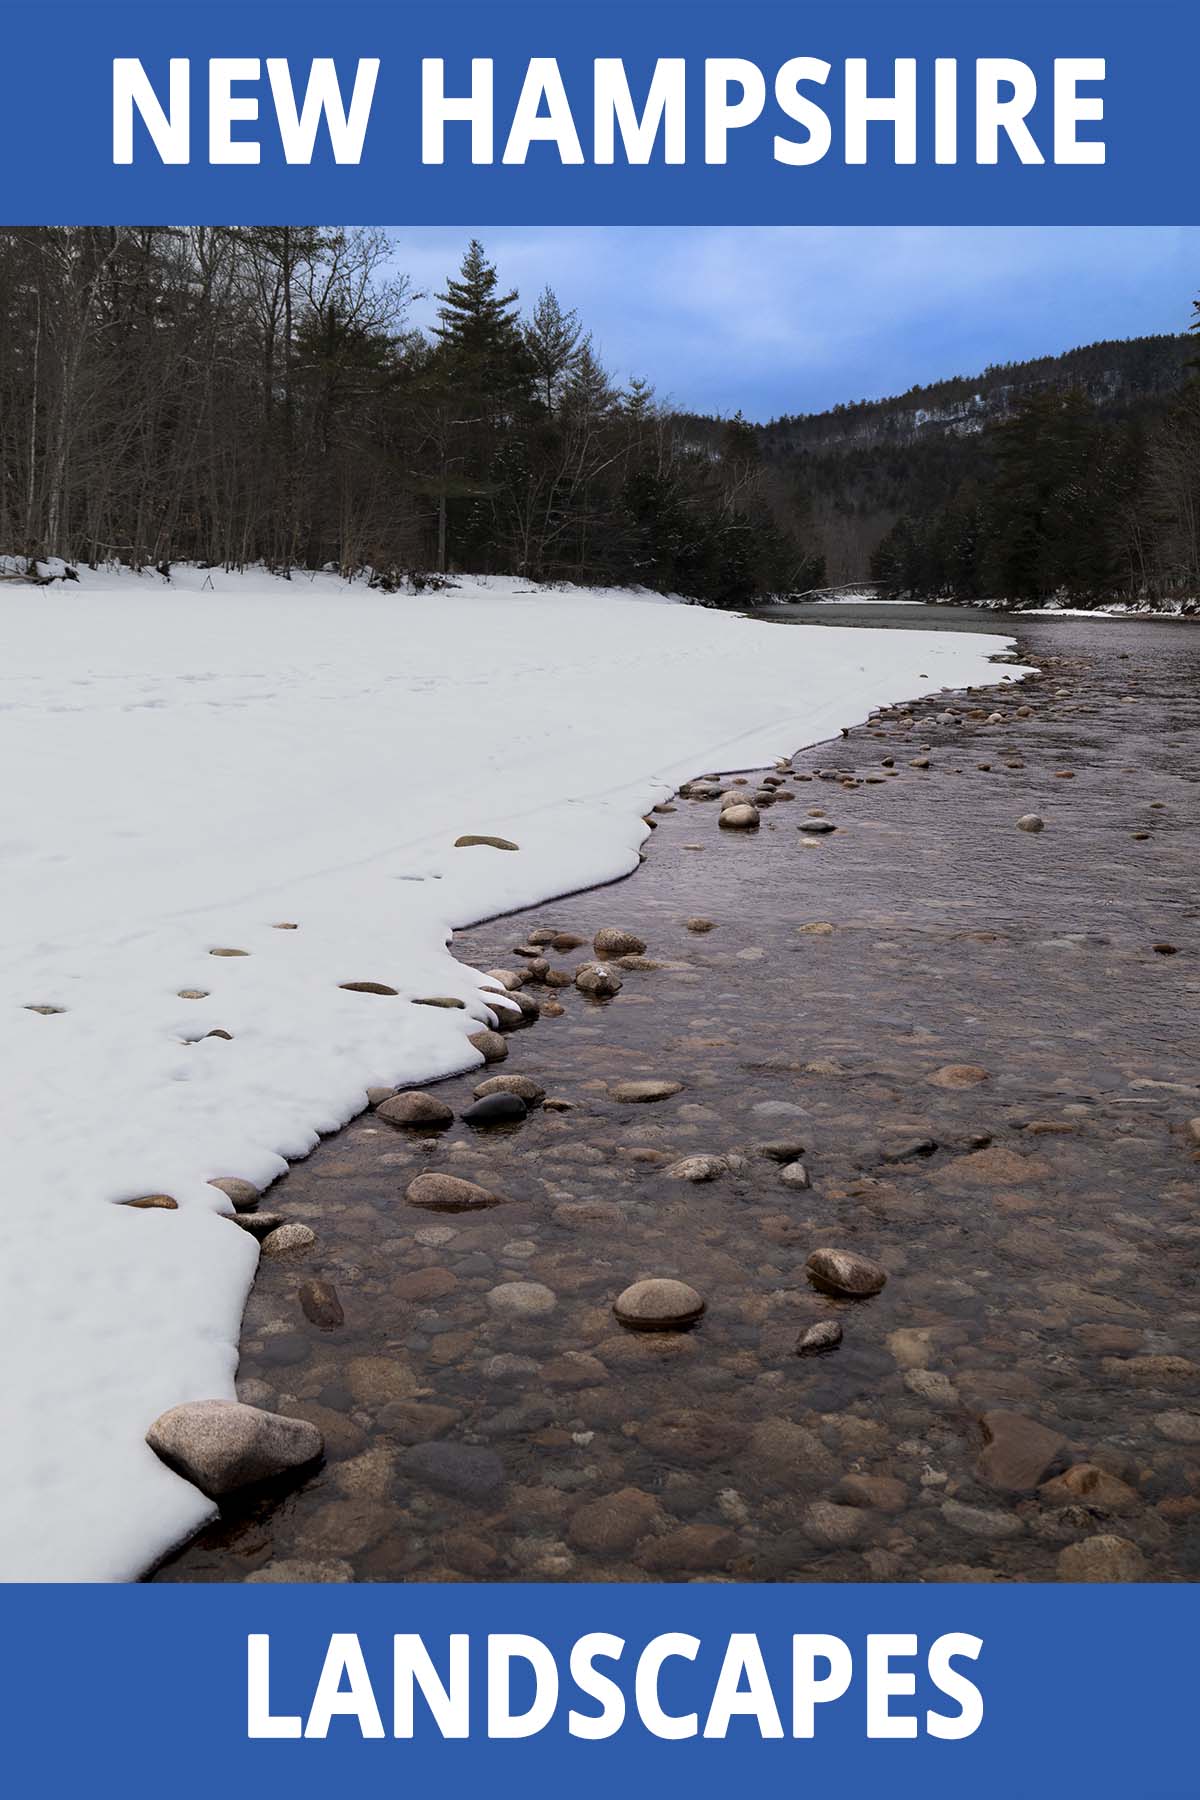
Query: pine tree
[551, 340]
[480, 335]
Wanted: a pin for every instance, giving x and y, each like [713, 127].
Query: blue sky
[797, 318]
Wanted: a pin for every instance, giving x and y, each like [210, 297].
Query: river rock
[476, 840]
[781, 1150]
[614, 1522]
[598, 980]
[795, 1176]
[490, 1045]
[1084, 1484]
[658, 1304]
[522, 1299]
[466, 1471]
[244, 1195]
[610, 940]
[816, 827]
[365, 987]
[320, 1304]
[957, 1075]
[1031, 822]
[689, 1548]
[221, 1445]
[424, 1112]
[287, 1240]
[449, 1193]
[1017, 1452]
[644, 1093]
[981, 1522]
[882, 1492]
[826, 1334]
[1101, 1558]
[845, 1272]
[1178, 1427]
[496, 1109]
[739, 818]
[835, 1527]
[696, 1169]
[523, 1086]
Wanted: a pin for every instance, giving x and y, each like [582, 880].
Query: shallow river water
[984, 1039]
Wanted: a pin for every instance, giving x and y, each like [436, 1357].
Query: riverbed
[980, 1043]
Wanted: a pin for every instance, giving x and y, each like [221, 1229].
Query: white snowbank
[186, 768]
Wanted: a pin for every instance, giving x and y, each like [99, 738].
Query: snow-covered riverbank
[190, 767]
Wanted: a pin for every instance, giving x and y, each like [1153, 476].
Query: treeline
[240, 395]
[1063, 503]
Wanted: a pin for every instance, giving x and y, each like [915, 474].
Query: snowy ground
[188, 766]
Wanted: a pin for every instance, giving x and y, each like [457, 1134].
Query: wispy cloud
[794, 319]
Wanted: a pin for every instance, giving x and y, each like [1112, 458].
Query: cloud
[795, 319]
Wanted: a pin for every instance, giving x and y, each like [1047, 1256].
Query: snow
[190, 766]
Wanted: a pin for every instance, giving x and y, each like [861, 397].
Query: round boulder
[220, 1445]
[423, 1112]
[523, 1086]
[448, 1193]
[496, 1109]
[658, 1304]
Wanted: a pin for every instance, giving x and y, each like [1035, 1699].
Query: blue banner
[654, 113]
[243, 1690]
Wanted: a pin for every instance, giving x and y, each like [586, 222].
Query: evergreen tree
[552, 339]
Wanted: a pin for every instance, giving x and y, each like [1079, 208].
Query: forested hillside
[236, 395]
[1077, 474]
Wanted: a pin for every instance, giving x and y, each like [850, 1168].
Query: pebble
[826, 1334]
[700, 926]
[1031, 822]
[221, 1445]
[658, 1304]
[845, 1272]
[288, 1238]
[354, 987]
[423, 1111]
[474, 840]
